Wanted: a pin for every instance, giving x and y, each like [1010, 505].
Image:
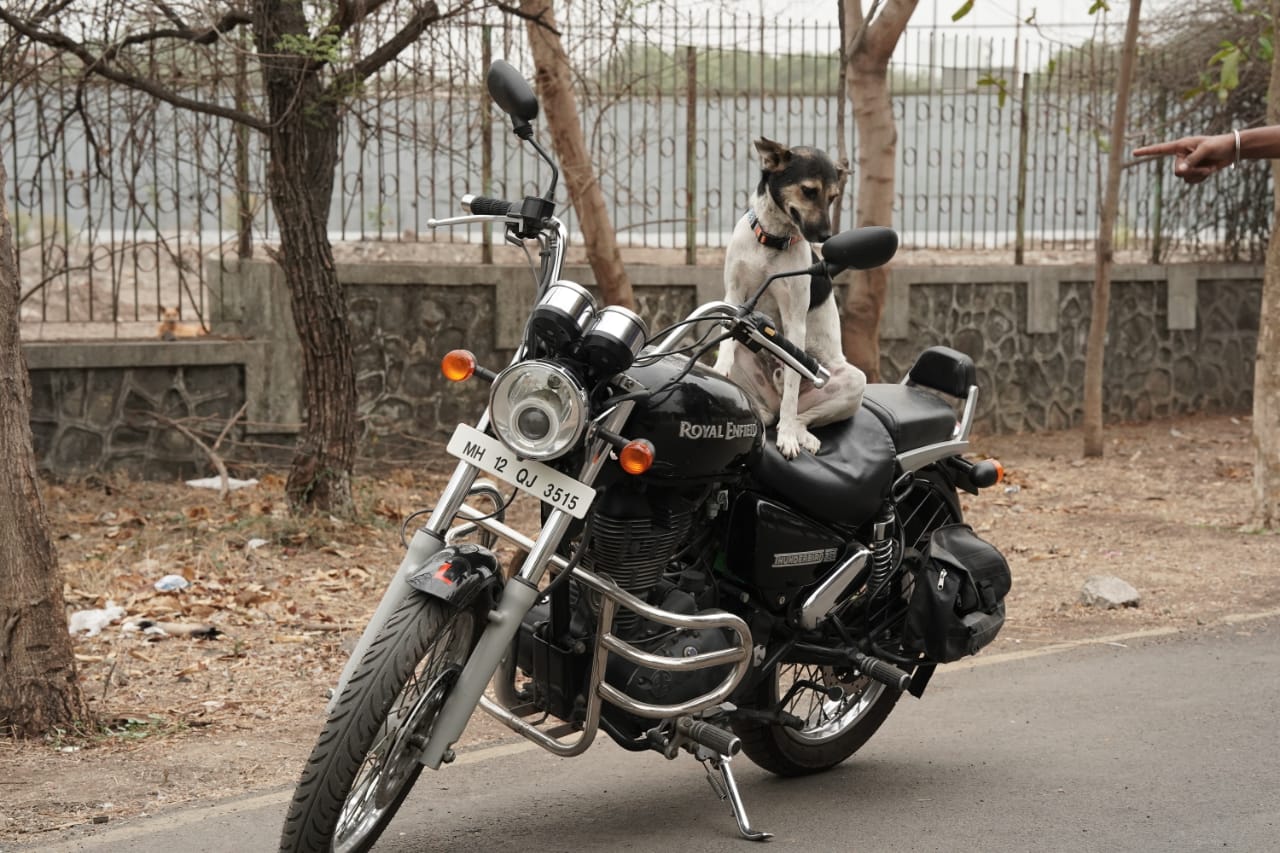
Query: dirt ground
[186, 719]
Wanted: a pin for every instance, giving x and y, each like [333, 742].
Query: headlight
[539, 410]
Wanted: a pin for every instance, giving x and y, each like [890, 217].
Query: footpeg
[885, 673]
[712, 737]
[726, 788]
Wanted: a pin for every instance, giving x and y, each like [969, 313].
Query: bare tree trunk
[38, 688]
[1266, 367]
[303, 142]
[555, 91]
[1097, 343]
[842, 110]
[877, 161]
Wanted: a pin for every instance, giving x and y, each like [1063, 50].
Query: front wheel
[365, 760]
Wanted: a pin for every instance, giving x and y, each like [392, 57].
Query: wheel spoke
[825, 718]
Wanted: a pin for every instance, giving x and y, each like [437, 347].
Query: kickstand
[726, 788]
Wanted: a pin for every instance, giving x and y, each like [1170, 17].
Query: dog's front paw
[792, 438]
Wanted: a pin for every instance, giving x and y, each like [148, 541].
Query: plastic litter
[91, 622]
[172, 583]
[216, 483]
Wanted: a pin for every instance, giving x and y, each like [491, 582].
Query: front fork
[518, 596]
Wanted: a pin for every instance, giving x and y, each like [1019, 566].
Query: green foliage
[645, 69]
[326, 47]
[1233, 54]
[1001, 86]
[136, 728]
[640, 69]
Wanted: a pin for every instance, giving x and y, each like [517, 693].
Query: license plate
[533, 478]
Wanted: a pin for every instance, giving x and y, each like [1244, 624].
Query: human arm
[1198, 157]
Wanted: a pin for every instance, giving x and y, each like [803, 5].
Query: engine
[648, 541]
[634, 537]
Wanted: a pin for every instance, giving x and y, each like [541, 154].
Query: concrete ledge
[55, 355]
[262, 415]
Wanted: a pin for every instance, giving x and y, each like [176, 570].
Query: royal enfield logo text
[722, 431]
[804, 558]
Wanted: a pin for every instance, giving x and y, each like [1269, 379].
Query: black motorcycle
[689, 589]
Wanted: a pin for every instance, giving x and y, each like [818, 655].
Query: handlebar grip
[485, 206]
[767, 328]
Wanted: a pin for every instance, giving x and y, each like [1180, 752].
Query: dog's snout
[817, 229]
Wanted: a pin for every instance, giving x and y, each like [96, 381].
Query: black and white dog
[790, 210]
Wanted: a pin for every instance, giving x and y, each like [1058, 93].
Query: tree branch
[99, 65]
[517, 12]
[351, 12]
[392, 47]
[229, 22]
[882, 33]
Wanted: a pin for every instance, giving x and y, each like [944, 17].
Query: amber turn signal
[637, 456]
[458, 365]
[986, 473]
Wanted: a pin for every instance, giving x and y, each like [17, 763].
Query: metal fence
[117, 199]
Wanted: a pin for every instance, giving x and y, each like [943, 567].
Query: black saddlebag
[957, 604]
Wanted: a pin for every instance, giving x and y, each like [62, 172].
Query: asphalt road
[1159, 743]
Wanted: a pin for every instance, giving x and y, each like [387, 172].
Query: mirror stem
[817, 269]
[555, 173]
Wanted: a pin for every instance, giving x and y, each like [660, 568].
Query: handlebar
[750, 329]
[759, 330]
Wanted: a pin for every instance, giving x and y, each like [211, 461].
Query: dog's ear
[774, 156]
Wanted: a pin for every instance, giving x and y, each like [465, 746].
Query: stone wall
[104, 407]
[1181, 340]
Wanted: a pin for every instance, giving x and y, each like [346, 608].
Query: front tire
[365, 760]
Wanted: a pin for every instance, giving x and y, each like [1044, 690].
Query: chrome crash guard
[612, 597]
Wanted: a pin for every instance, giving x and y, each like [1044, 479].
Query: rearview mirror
[860, 249]
[511, 92]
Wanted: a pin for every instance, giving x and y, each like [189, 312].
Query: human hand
[1195, 157]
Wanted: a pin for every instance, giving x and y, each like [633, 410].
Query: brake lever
[756, 331]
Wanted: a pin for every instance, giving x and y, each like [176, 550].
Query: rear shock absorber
[881, 551]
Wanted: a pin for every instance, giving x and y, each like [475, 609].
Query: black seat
[845, 482]
[913, 417]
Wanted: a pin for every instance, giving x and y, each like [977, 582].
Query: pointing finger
[1160, 149]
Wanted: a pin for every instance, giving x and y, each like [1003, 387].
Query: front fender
[459, 574]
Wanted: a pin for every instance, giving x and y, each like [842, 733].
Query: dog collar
[764, 238]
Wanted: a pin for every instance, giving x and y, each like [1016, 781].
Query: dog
[789, 210]
[170, 328]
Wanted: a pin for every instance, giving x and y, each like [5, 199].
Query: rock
[1108, 592]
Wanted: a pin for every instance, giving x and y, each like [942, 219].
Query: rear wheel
[841, 709]
[365, 760]
[840, 714]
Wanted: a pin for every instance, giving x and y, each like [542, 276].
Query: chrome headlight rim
[566, 427]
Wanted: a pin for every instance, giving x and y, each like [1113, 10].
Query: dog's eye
[810, 192]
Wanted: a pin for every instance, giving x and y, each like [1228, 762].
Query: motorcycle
[690, 589]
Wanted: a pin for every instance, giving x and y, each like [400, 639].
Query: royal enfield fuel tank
[701, 426]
